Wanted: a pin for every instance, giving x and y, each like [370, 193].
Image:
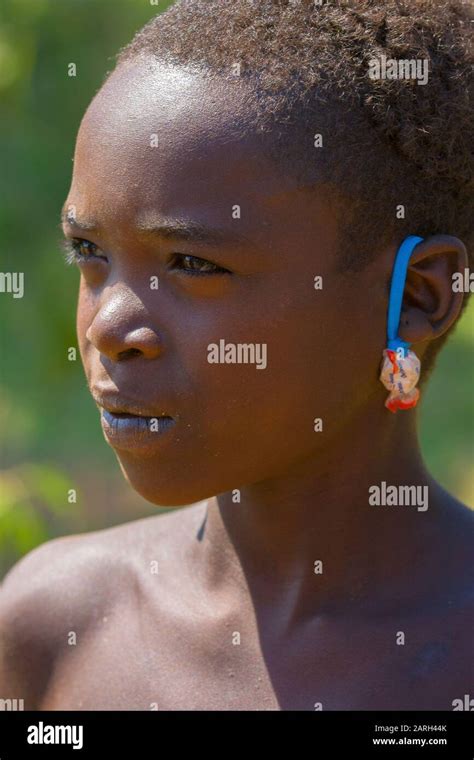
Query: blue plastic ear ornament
[400, 370]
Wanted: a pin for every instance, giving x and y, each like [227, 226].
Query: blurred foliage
[50, 442]
[447, 413]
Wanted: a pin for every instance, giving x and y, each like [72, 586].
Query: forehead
[160, 140]
[155, 133]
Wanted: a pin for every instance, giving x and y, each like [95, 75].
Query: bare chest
[139, 658]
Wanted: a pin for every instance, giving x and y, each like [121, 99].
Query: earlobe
[430, 304]
[416, 325]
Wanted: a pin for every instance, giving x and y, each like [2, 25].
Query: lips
[121, 404]
[129, 424]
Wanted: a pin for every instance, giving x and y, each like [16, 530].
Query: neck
[318, 511]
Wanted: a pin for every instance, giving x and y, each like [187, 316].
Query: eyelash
[193, 272]
[72, 255]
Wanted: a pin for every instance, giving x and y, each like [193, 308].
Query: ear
[429, 305]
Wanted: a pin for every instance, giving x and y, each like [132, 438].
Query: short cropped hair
[395, 155]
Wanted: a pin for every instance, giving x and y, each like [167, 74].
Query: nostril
[128, 353]
[114, 340]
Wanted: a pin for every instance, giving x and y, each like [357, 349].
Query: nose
[119, 330]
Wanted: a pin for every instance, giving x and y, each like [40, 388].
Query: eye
[194, 265]
[78, 250]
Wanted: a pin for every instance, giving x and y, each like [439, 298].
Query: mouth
[127, 425]
[124, 419]
[133, 432]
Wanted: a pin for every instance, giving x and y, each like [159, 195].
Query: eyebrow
[176, 229]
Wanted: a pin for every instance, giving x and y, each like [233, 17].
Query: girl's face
[191, 238]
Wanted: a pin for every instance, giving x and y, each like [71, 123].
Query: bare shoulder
[65, 584]
[79, 569]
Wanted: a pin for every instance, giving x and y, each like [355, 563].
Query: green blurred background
[50, 439]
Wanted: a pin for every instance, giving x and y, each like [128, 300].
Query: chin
[159, 488]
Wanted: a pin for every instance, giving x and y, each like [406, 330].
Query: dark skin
[168, 639]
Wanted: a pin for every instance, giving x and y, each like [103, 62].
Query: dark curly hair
[386, 142]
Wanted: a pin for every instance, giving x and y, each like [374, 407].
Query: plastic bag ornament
[400, 375]
[400, 370]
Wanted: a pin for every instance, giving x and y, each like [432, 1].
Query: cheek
[86, 308]
[240, 424]
[321, 363]
[273, 396]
